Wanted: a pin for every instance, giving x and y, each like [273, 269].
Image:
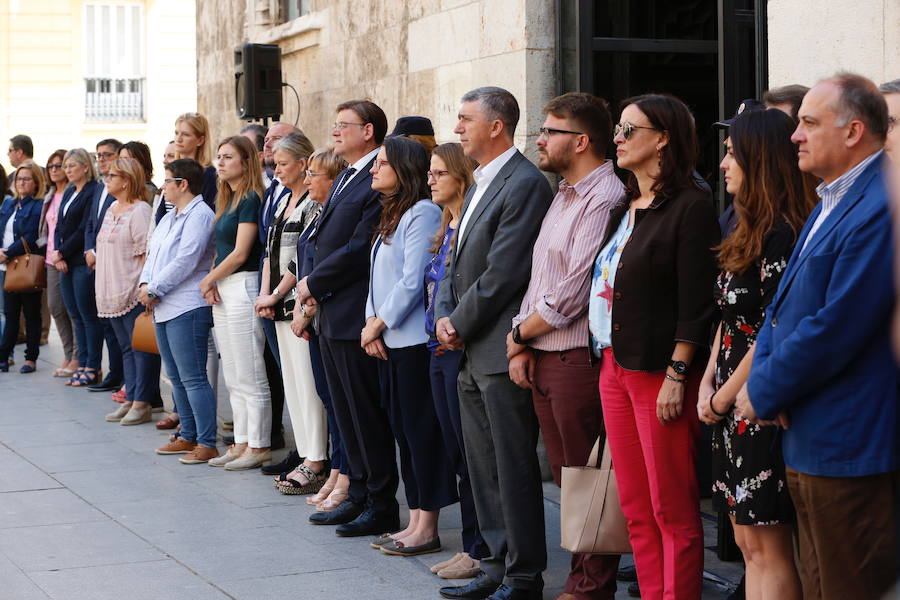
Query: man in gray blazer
[480, 293]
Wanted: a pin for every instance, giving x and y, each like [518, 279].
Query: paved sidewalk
[89, 511]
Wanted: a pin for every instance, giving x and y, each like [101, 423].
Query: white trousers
[240, 339]
[308, 419]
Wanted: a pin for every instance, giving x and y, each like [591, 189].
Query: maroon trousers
[567, 403]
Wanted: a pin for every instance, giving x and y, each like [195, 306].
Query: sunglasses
[626, 129]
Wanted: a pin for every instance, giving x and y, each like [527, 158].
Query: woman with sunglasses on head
[49, 213]
[394, 333]
[20, 219]
[122, 247]
[76, 279]
[449, 177]
[650, 315]
[231, 288]
[772, 199]
[324, 168]
[294, 212]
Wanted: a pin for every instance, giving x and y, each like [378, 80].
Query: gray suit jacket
[490, 267]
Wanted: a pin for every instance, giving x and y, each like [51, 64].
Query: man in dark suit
[481, 292]
[339, 283]
[107, 151]
[823, 366]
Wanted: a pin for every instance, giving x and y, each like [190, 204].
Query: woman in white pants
[294, 213]
[231, 287]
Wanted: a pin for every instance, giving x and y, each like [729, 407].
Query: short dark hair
[860, 99]
[190, 170]
[589, 113]
[679, 156]
[369, 112]
[140, 152]
[115, 144]
[259, 131]
[787, 94]
[498, 104]
[23, 143]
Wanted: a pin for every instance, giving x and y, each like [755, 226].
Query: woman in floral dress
[772, 199]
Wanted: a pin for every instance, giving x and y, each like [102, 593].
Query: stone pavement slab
[89, 511]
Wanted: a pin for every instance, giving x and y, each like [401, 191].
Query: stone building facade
[414, 57]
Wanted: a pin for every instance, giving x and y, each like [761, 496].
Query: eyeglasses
[313, 173]
[377, 166]
[627, 129]
[436, 175]
[173, 179]
[548, 131]
[20, 179]
[342, 125]
[892, 122]
[111, 175]
[105, 155]
[54, 167]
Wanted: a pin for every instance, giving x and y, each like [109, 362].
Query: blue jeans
[80, 299]
[140, 369]
[183, 346]
[113, 351]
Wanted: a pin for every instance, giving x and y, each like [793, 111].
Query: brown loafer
[179, 446]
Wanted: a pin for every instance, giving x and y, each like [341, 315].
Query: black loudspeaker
[257, 81]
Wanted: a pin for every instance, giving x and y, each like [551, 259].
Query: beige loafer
[137, 415]
[226, 458]
[249, 460]
[464, 568]
[446, 563]
[119, 413]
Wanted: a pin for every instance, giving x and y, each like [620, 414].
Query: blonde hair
[200, 125]
[460, 168]
[135, 178]
[37, 174]
[80, 155]
[329, 161]
[227, 199]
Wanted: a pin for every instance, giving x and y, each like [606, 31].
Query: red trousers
[654, 466]
[568, 410]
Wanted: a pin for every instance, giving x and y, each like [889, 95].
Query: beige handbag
[591, 519]
[143, 336]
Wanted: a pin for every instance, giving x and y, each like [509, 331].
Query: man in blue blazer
[339, 283]
[823, 366]
[107, 152]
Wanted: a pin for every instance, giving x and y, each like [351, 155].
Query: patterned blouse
[121, 245]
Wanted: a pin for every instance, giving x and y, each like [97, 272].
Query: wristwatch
[679, 366]
[516, 336]
[151, 295]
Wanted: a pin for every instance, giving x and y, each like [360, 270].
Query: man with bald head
[823, 367]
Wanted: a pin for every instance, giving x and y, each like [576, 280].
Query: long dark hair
[678, 157]
[410, 162]
[774, 189]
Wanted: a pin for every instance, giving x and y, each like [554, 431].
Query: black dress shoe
[346, 512]
[480, 587]
[370, 523]
[289, 463]
[504, 592]
[107, 385]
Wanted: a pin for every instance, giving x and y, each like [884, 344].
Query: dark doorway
[709, 53]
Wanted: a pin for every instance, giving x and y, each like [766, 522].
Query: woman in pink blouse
[121, 249]
[58, 183]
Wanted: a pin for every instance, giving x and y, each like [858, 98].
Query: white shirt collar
[485, 174]
[362, 162]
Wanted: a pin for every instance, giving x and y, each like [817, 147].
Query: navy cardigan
[26, 225]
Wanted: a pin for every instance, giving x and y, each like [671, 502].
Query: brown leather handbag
[143, 336]
[26, 273]
[591, 519]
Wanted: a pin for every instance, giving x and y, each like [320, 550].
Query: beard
[554, 163]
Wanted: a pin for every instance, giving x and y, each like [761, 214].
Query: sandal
[63, 372]
[321, 495]
[170, 422]
[75, 376]
[86, 378]
[335, 499]
[291, 487]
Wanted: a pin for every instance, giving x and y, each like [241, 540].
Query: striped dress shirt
[563, 257]
[832, 194]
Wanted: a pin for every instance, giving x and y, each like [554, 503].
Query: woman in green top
[231, 287]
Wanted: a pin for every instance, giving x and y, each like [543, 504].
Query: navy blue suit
[68, 237]
[339, 280]
[95, 220]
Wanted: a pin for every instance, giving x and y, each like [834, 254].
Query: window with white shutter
[114, 62]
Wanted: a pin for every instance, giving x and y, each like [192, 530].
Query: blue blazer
[340, 246]
[823, 353]
[27, 223]
[396, 285]
[68, 237]
[95, 220]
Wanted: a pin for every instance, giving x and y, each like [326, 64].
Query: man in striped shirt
[548, 345]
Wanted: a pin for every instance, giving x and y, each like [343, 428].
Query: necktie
[344, 181]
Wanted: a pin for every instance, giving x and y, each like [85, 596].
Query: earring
[659, 156]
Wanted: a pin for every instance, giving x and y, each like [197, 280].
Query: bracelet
[675, 379]
[715, 412]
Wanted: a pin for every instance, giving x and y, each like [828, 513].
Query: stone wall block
[444, 38]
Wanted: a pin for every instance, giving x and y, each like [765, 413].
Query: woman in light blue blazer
[395, 311]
